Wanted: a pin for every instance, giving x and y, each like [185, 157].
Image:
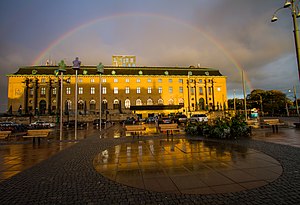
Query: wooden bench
[169, 128]
[297, 124]
[4, 135]
[274, 123]
[42, 133]
[135, 129]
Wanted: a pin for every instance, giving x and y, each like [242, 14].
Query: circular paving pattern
[184, 166]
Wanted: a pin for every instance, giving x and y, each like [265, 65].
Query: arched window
[138, 102]
[127, 103]
[104, 104]
[171, 102]
[149, 101]
[160, 102]
[92, 105]
[116, 104]
[80, 105]
[181, 101]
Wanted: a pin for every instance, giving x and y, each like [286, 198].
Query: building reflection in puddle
[183, 166]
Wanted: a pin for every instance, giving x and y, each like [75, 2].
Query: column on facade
[26, 95]
[36, 92]
[206, 97]
[49, 96]
[213, 94]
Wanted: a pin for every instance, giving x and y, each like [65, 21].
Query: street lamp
[61, 69]
[100, 71]
[76, 67]
[292, 5]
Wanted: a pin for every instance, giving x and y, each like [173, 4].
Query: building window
[80, 90]
[104, 104]
[92, 105]
[159, 80]
[149, 80]
[200, 80]
[209, 90]
[171, 102]
[103, 80]
[159, 89]
[54, 90]
[180, 89]
[149, 89]
[138, 90]
[138, 80]
[43, 91]
[170, 80]
[170, 89]
[92, 90]
[149, 101]
[68, 91]
[160, 102]
[127, 103]
[201, 91]
[127, 80]
[92, 80]
[31, 91]
[115, 80]
[80, 80]
[116, 104]
[193, 91]
[116, 90]
[80, 105]
[138, 102]
[103, 90]
[180, 80]
[127, 90]
[43, 80]
[181, 101]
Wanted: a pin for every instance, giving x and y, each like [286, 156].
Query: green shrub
[222, 128]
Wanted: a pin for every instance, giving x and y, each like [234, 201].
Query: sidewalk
[69, 177]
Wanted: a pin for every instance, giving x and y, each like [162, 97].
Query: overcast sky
[229, 35]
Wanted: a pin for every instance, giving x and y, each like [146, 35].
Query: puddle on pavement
[183, 166]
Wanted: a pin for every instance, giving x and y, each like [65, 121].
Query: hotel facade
[144, 91]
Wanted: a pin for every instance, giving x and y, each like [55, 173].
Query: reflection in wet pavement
[18, 157]
[19, 154]
[183, 166]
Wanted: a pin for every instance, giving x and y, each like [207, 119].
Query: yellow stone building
[140, 90]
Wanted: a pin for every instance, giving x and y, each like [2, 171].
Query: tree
[273, 102]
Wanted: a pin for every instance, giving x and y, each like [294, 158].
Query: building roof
[112, 70]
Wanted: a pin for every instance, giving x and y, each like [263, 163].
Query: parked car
[41, 125]
[164, 120]
[150, 120]
[96, 122]
[71, 123]
[129, 121]
[199, 118]
[180, 118]
[12, 126]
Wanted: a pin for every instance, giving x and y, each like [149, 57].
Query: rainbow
[43, 55]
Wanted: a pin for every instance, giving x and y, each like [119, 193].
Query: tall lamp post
[292, 5]
[76, 67]
[61, 69]
[100, 71]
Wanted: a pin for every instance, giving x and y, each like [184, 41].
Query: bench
[274, 123]
[169, 128]
[135, 129]
[42, 133]
[4, 135]
[297, 124]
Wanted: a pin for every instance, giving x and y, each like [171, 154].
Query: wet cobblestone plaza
[108, 168]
